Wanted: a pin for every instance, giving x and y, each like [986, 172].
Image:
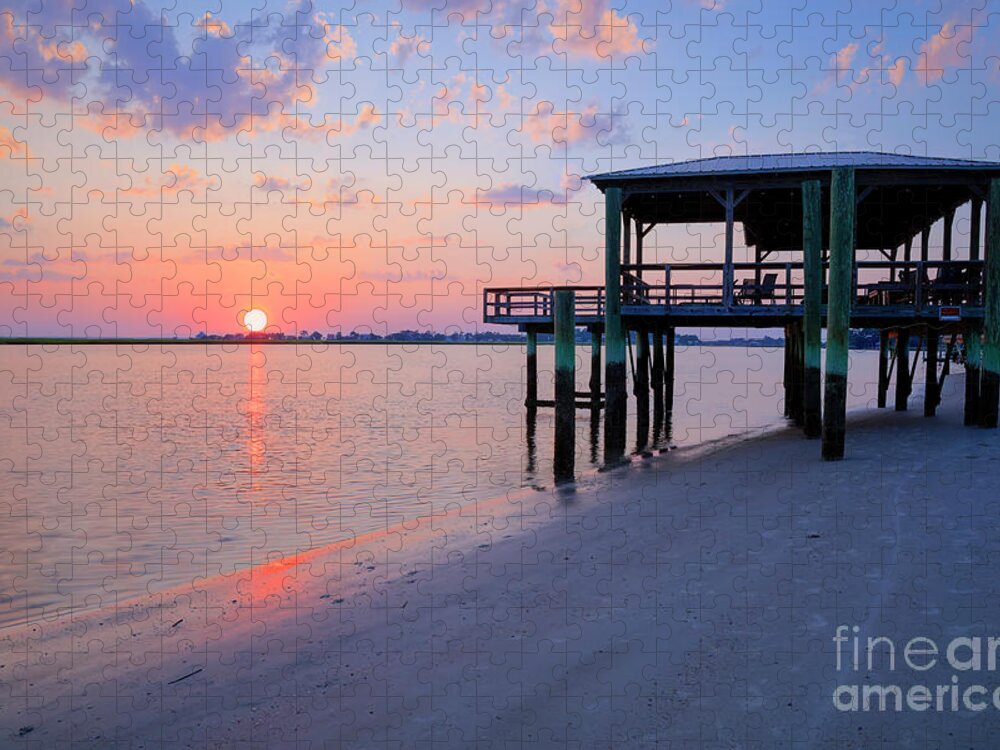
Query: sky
[167, 167]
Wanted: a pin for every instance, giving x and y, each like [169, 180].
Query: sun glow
[255, 320]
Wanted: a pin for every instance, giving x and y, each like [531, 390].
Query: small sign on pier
[950, 312]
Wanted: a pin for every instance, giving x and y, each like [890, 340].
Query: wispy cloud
[591, 29]
[944, 51]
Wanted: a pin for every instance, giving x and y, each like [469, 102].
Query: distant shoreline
[239, 342]
[683, 340]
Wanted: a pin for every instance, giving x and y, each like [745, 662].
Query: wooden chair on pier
[899, 292]
[754, 294]
[950, 286]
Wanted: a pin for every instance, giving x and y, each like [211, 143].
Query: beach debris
[189, 674]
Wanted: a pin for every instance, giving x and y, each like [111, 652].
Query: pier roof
[769, 164]
[899, 195]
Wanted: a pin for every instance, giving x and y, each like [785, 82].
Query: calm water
[127, 470]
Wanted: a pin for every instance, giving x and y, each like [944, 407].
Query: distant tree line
[860, 338]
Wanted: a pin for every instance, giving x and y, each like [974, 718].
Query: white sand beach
[689, 600]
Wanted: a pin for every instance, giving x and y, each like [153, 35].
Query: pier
[805, 217]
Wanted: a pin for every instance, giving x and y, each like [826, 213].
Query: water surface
[128, 470]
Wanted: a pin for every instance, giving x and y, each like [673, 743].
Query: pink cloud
[941, 51]
[404, 47]
[897, 71]
[588, 28]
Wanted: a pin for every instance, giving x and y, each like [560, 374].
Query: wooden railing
[919, 283]
[703, 284]
[536, 302]
[878, 284]
[883, 283]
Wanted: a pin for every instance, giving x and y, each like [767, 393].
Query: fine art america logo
[962, 660]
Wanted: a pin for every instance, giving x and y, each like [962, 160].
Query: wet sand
[689, 600]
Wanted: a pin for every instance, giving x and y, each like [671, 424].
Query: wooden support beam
[883, 367]
[581, 403]
[908, 250]
[626, 249]
[531, 364]
[975, 219]
[616, 405]
[902, 368]
[639, 258]
[916, 361]
[595, 364]
[949, 352]
[728, 275]
[564, 450]
[812, 247]
[642, 390]
[842, 220]
[931, 379]
[989, 390]
[973, 362]
[925, 243]
[949, 223]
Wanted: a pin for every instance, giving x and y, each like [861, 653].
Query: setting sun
[255, 320]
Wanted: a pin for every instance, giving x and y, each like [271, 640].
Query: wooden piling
[949, 223]
[883, 367]
[639, 259]
[615, 402]
[728, 277]
[792, 373]
[595, 364]
[564, 321]
[642, 390]
[812, 247]
[973, 360]
[902, 368]
[842, 218]
[626, 249]
[989, 389]
[930, 380]
[975, 219]
[531, 364]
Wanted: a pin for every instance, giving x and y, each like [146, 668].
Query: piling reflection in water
[641, 391]
[651, 386]
[595, 433]
[530, 426]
